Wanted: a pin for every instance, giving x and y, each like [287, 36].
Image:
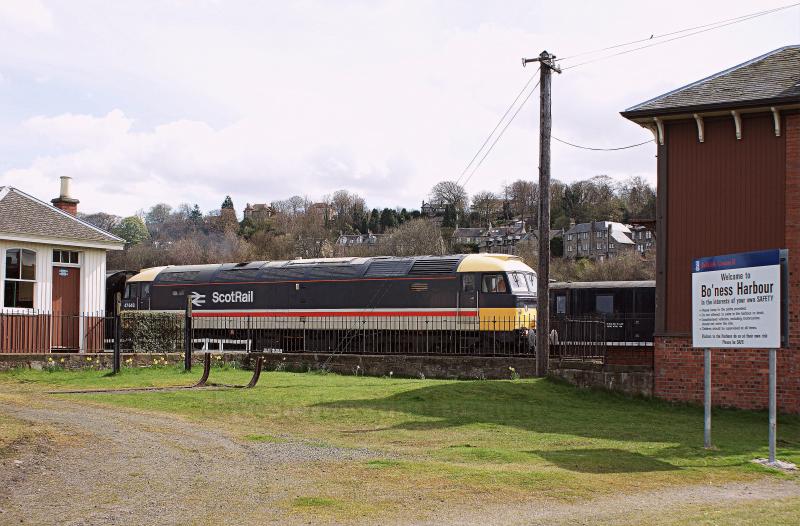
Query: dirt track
[139, 468]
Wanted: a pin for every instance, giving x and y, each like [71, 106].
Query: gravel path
[135, 468]
[123, 467]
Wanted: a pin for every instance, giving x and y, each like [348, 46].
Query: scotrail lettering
[232, 297]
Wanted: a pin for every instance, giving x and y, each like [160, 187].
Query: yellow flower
[88, 358]
[61, 360]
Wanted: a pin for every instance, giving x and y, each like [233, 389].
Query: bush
[152, 331]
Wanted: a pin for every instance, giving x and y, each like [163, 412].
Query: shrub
[153, 331]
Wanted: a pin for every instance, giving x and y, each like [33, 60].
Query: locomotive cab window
[494, 283]
[131, 291]
[518, 282]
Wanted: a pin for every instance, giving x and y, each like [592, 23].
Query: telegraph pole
[547, 66]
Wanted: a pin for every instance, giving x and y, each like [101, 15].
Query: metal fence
[163, 332]
[408, 335]
[590, 337]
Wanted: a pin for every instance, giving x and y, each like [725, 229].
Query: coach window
[604, 304]
[20, 278]
[494, 283]
[561, 304]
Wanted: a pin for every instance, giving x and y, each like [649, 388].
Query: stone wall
[450, 367]
[629, 379]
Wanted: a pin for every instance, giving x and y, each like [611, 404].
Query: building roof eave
[791, 102]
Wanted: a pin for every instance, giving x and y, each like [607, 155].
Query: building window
[20, 278]
[648, 234]
[65, 256]
[569, 237]
[611, 246]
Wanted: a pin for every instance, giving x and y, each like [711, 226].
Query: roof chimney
[65, 201]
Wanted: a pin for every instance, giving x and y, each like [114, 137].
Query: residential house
[258, 211]
[597, 240]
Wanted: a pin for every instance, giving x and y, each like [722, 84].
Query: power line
[485, 155]
[719, 26]
[600, 149]
[740, 18]
[466, 168]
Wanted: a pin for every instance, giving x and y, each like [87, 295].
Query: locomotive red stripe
[320, 314]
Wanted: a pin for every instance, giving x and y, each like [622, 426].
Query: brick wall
[639, 356]
[740, 377]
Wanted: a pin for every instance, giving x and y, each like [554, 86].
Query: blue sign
[762, 258]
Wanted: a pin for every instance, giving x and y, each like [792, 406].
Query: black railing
[589, 337]
[363, 335]
[34, 332]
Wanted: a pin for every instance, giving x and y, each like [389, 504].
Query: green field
[500, 440]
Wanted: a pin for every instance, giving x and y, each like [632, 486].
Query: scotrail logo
[197, 299]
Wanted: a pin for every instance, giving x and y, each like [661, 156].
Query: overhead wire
[500, 135]
[499, 122]
[740, 18]
[682, 33]
[660, 42]
[600, 149]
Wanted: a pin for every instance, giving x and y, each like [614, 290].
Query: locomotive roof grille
[184, 276]
[434, 266]
[389, 267]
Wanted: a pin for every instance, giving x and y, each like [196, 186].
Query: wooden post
[117, 361]
[187, 336]
[543, 270]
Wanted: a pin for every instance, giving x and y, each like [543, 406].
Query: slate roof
[24, 215]
[771, 78]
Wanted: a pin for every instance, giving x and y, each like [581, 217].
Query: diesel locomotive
[459, 303]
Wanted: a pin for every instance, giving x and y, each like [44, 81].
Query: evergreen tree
[227, 203]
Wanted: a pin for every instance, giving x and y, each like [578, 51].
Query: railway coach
[460, 303]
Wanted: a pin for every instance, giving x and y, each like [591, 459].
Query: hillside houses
[606, 239]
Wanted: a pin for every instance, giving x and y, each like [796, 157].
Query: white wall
[92, 263]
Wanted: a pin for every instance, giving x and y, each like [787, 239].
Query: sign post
[707, 398]
[739, 301]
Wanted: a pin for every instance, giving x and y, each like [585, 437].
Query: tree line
[300, 227]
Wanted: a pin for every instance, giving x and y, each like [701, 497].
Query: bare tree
[450, 193]
[417, 237]
[486, 205]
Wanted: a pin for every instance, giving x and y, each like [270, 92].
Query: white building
[53, 270]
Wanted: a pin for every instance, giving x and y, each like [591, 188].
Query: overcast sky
[186, 101]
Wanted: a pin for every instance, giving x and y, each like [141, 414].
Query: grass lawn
[493, 440]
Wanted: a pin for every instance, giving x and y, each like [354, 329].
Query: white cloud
[166, 101]
[26, 16]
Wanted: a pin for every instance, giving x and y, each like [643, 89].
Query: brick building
[728, 181]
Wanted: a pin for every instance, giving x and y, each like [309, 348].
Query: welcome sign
[736, 300]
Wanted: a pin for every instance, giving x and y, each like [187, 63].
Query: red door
[66, 306]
